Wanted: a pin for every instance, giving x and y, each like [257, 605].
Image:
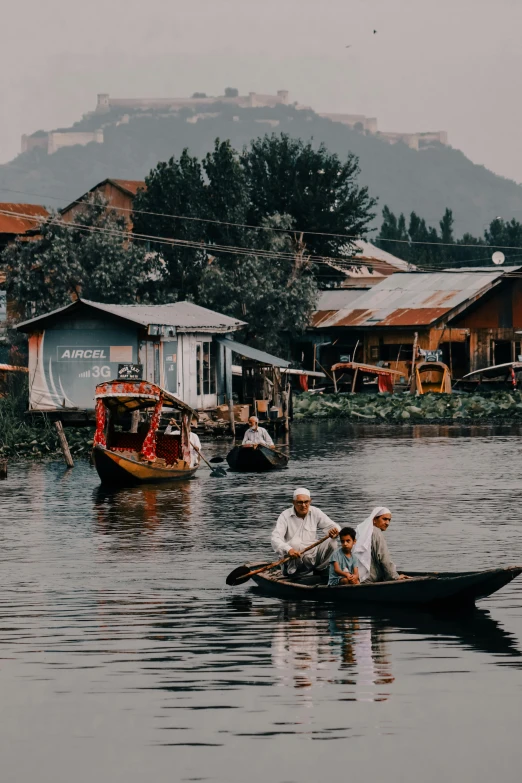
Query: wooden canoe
[116, 468]
[422, 589]
[256, 459]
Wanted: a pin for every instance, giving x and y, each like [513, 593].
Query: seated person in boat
[195, 444]
[298, 527]
[371, 549]
[343, 563]
[256, 435]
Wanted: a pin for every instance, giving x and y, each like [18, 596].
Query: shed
[75, 347]
[470, 314]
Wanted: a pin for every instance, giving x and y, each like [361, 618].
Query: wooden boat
[431, 377]
[137, 457]
[494, 378]
[364, 377]
[422, 588]
[256, 459]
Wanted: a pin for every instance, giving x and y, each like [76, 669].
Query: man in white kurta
[298, 527]
[195, 443]
[256, 435]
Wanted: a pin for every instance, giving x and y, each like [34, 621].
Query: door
[206, 374]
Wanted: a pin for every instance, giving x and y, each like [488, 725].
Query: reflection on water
[124, 657]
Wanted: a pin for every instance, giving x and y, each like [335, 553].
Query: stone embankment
[504, 406]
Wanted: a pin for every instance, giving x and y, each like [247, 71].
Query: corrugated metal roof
[21, 217]
[330, 302]
[371, 253]
[184, 316]
[253, 353]
[413, 298]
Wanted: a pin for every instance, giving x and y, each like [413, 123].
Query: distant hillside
[426, 181]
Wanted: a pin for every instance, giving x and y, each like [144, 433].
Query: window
[209, 369]
[205, 368]
[392, 352]
[3, 306]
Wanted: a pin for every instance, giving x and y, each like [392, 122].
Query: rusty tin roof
[19, 218]
[414, 298]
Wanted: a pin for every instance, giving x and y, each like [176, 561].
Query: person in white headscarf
[371, 549]
[298, 527]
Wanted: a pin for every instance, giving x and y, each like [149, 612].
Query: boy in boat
[344, 566]
[256, 435]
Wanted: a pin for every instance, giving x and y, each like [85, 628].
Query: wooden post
[231, 416]
[135, 418]
[286, 400]
[3, 468]
[414, 355]
[63, 444]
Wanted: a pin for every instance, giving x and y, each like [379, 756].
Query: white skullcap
[302, 491]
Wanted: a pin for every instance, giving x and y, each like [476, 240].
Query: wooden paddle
[220, 472]
[243, 574]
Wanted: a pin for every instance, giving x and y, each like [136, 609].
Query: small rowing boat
[137, 457]
[422, 588]
[256, 459]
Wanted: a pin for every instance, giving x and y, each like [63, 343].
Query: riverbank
[26, 439]
[404, 408]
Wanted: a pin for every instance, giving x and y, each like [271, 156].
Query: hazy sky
[441, 65]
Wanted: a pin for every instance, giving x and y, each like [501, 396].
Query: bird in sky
[349, 46]
[374, 32]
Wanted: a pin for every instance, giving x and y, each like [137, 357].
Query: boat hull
[422, 589]
[245, 459]
[116, 469]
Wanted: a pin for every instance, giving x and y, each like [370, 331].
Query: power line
[293, 231]
[184, 243]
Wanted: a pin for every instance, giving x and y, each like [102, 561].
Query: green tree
[275, 294]
[315, 188]
[212, 205]
[91, 258]
[173, 189]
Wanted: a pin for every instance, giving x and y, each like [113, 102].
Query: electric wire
[293, 231]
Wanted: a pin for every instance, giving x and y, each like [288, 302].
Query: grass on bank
[24, 437]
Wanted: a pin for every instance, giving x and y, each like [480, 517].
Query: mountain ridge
[427, 181]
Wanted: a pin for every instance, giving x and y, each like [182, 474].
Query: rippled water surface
[124, 657]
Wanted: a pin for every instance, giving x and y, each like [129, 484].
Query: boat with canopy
[127, 457]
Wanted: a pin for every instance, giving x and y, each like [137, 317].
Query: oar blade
[218, 473]
[238, 576]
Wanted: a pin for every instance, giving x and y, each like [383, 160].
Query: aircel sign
[68, 353]
[76, 358]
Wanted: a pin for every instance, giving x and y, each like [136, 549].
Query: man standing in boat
[256, 435]
[298, 527]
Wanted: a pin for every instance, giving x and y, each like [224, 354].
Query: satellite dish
[498, 258]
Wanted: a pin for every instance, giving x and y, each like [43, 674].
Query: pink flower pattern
[148, 451]
[101, 418]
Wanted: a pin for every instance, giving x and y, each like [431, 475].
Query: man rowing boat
[299, 526]
[256, 435]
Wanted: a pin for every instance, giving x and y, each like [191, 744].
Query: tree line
[430, 247]
[224, 231]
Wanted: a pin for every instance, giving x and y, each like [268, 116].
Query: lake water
[124, 657]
